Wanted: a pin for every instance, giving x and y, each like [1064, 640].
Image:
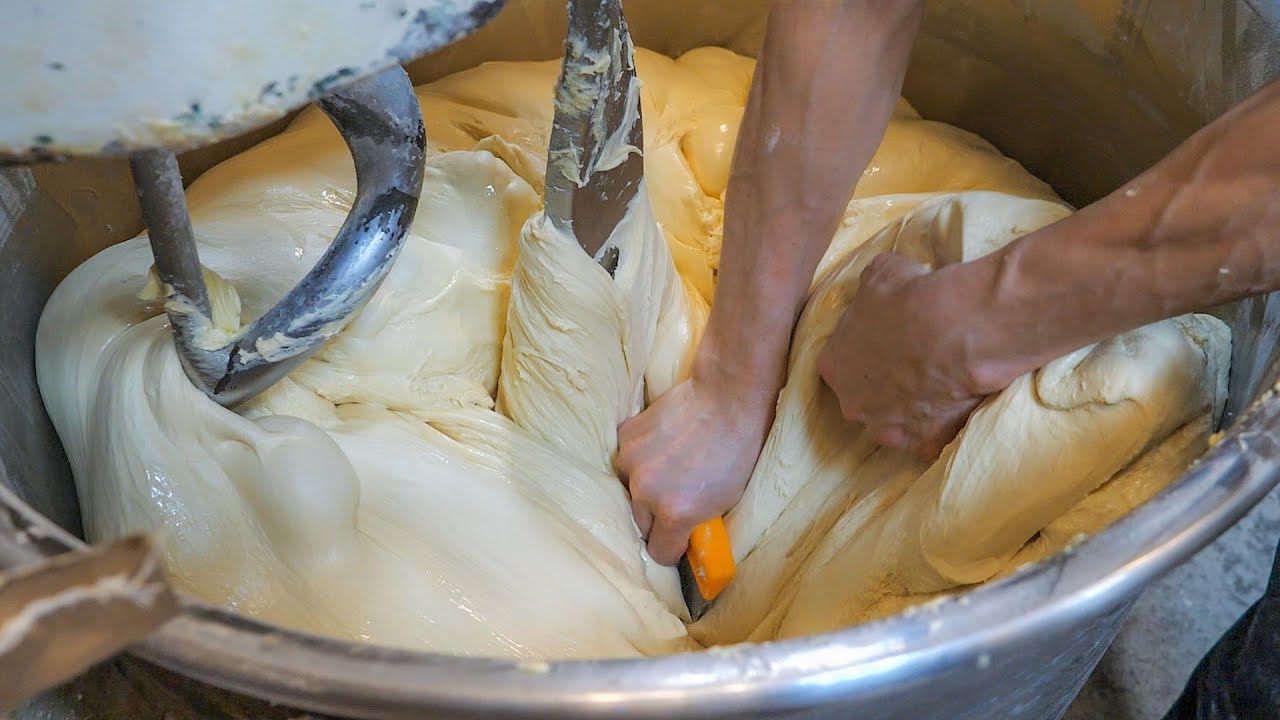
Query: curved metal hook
[381, 122]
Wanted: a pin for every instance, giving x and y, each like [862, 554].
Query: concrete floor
[1179, 619]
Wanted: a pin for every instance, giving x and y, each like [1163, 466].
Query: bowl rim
[1098, 575]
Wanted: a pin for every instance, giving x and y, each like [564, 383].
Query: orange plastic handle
[711, 558]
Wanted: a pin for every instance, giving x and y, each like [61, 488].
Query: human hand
[904, 360]
[687, 459]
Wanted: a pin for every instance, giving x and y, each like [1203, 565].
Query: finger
[631, 452]
[891, 436]
[928, 436]
[631, 428]
[853, 414]
[643, 518]
[946, 427]
[669, 541]
[641, 423]
[874, 415]
[929, 449]
[829, 372]
[830, 365]
[623, 464]
[891, 269]
[853, 409]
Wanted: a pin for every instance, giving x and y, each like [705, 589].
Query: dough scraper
[595, 164]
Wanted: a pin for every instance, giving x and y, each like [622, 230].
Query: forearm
[1200, 228]
[829, 75]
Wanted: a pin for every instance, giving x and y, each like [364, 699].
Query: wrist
[1063, 287]
[982, 322]
[746, 380]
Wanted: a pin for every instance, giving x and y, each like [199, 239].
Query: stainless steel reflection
[1084, 92]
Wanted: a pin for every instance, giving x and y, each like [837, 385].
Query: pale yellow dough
[440, 476]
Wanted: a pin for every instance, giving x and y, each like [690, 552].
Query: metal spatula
[594, 167]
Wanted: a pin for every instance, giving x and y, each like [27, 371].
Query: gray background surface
[1179, 619]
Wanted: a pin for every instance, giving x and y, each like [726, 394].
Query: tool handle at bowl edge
[711, 557]
[61, 615]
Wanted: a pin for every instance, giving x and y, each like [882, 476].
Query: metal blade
[595, 163]
[693, 599]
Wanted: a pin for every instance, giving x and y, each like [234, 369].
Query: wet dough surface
[440, 476]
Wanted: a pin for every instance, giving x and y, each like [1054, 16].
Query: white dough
[440, 476]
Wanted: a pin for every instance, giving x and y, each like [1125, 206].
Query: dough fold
[831, 523]
[581, 346]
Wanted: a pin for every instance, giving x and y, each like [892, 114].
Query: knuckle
[641, 493]
[637, 430]
[892, 437]
[974, 377]
[980, 379]
[677, 511]
[624, 465]
[626, 433]
[852, 408]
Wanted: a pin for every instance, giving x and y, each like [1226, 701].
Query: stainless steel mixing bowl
[1084, 92]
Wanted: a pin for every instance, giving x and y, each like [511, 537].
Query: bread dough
[439, 477]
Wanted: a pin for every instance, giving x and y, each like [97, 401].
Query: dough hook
[381, 122]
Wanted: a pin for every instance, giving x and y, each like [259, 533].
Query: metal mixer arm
[381, 122]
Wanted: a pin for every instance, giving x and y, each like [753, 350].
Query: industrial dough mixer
[1085, 94]
[61, 615]
[228, 80]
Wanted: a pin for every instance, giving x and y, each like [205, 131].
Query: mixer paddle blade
[595, 162]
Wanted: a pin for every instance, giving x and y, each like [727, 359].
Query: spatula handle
[711, 557]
